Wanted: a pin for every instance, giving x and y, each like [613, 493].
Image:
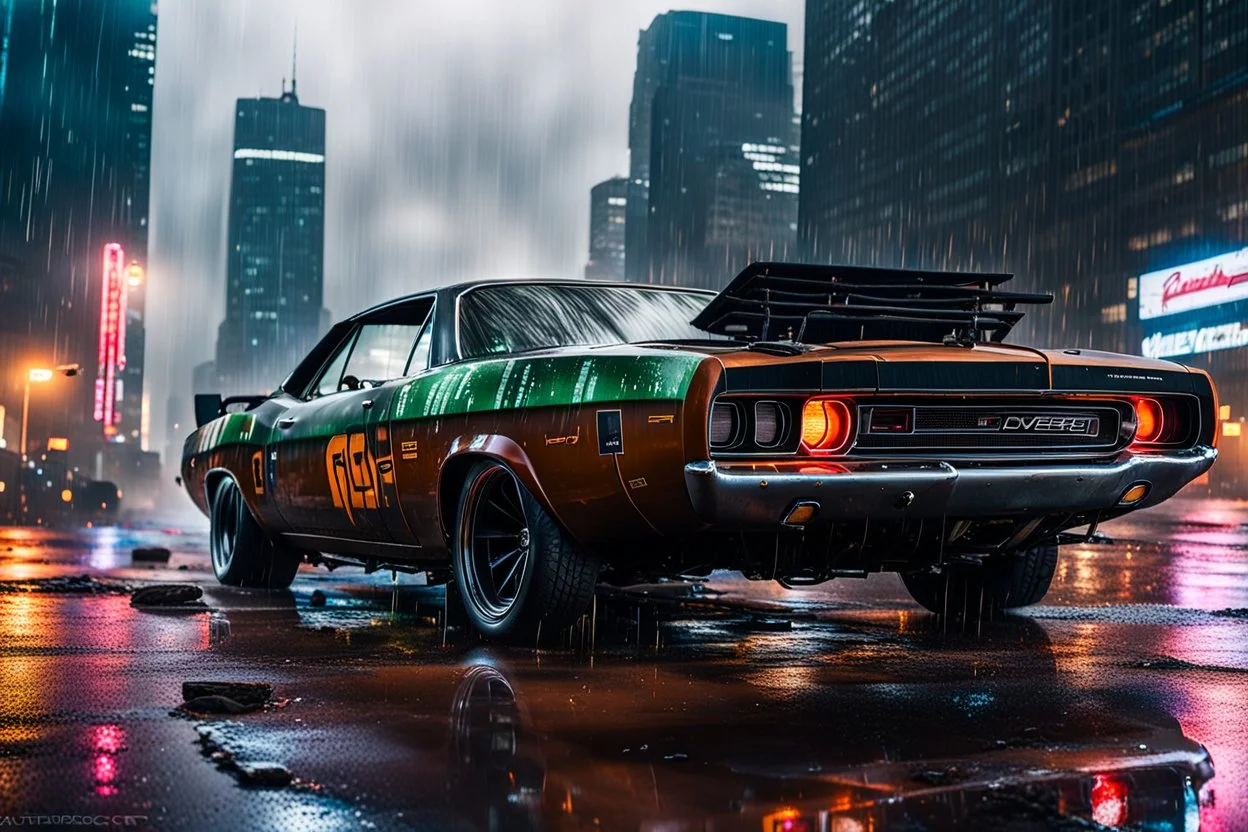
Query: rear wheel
[518, 573]
[242, 554]
[999, 583]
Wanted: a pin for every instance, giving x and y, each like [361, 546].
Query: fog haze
[463, 139]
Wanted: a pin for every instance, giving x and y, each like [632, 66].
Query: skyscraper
[608, 204]
[713, 170]
[1080, 144]
[76, 82]
[275, 272]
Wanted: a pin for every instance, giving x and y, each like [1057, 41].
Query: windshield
[524, 316]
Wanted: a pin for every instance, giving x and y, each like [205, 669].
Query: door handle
[285, 423]
[366, 404]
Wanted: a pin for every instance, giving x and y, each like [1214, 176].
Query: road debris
[150, 554]
[256, 773]
[206, 697]
[184, 596]
[87, 584]
[1171, 663]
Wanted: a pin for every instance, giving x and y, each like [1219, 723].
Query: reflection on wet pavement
[728, 706]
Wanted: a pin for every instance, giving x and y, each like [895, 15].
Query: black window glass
[503, 319]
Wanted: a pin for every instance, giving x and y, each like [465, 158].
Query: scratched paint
[613, 375]
[547, 381]
[230, 429]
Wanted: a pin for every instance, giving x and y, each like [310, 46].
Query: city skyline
[713, 146]
[608, 208]
[424, 185]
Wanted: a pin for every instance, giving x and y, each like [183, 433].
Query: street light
[39, 375]
[36, 375]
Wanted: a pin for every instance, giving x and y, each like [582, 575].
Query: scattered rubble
[169, 596]
[260, 774]
[225, 697]
[264, 774]
[85, 584]
[1171, 663]
[150, 554]
[251, 693]
[215, 705]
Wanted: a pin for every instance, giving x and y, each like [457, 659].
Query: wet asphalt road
[734, 706]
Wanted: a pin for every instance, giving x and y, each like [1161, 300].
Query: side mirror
[207, 408]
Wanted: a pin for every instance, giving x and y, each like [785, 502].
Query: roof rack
[822, 304]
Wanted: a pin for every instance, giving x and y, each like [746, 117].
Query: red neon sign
[112, 348]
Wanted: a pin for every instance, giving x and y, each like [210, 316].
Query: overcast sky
[463, 138]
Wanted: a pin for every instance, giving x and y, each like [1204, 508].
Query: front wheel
[1001, 582]
[517, 571]
[242, 554]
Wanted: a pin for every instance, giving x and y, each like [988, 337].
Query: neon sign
[1205, 283]
[111, 357]
[1226, 336]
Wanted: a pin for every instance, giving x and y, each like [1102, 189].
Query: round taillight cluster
[725, 424]
[1157, 422]
[827, 426]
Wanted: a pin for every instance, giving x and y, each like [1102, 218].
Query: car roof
[454, 290]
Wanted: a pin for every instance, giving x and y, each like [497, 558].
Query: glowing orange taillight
[1150, 420]
[827, 426]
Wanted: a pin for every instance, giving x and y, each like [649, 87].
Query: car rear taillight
[770, 423]
[1109, 801]
[827, 426]
[1157, 422]
[725, 424]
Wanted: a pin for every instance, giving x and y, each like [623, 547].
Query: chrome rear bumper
[757, 495]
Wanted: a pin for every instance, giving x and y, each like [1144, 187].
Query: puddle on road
[669, 708]
[732, 721]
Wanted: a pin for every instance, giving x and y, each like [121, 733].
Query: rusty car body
[530, 438]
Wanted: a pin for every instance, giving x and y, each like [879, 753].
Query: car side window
[331, 378]
[380, 354]
[420, 353]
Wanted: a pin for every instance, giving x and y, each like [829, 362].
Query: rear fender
[468, 449]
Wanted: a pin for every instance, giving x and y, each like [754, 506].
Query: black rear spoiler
[822, 304]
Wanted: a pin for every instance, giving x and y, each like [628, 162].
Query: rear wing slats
[820, 304]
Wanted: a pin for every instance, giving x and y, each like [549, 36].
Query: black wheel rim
[225, 522]
[494, 544]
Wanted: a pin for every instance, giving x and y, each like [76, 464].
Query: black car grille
[1005, 429]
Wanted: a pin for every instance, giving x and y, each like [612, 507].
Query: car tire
[519, 574]
[242, 554]
[1000, 583]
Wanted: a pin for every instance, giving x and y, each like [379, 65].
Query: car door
[333, 466]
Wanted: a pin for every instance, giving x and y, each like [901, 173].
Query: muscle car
[529, 438]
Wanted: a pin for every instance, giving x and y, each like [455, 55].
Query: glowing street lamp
[39, 375]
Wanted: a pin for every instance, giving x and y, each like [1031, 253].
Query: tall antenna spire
[294, 60]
